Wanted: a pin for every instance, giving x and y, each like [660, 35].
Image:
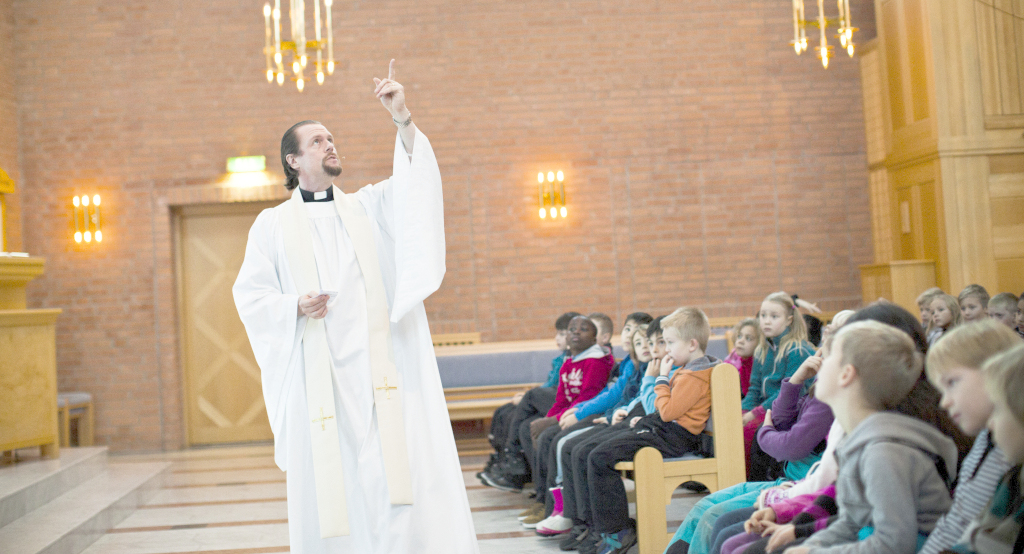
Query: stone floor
[231, 500]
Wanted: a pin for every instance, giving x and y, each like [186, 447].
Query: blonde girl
[945, 316]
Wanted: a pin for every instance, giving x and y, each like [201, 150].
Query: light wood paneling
[28, 380]
[223, 391]
[898, 282]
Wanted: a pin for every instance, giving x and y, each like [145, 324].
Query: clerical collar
[322, 196]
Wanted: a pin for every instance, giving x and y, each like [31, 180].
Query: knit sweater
[766, 376]
[686, 397]
[999, 529]
[980, 473]
[582, 376]
[799, 424]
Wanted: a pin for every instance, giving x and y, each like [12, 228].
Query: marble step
[27, 485]
[71, 522]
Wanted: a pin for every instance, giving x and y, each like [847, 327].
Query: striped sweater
[980, 473]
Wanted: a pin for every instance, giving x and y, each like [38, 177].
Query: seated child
[748, 336]
[626, 386]
[683, 406]
[999, 528]
[1003, 308]
[924, 304]
[973, 301]
[802, 422]
[582, 376]
[523, 409]
[894, 472]
[579, 417]
[784, 348]
[945, 316]
[954, 365]
[576, 451]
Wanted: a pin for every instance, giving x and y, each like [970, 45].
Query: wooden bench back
[728, 423]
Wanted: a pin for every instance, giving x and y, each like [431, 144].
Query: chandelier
[298, 47]
[800, 23]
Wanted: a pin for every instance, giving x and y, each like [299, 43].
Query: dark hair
[638, 317]
[290, 145]
[562, 323]
[923, 400]
[654, 328]
[813, 329]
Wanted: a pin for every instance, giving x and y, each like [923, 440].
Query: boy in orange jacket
[683, 406]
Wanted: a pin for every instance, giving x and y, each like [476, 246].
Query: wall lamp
[551, 195]
[87, 218]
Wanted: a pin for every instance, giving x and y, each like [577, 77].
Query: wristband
[403, 124]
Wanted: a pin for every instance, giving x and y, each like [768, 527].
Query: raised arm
[392, 95]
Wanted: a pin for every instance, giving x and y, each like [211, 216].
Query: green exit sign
[246, 164]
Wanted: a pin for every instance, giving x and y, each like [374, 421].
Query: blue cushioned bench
[478, 378]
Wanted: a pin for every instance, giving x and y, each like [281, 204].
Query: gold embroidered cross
[321, 420]
[387, 388]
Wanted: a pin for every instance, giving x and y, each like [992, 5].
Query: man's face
[317, 157]
[582, 334]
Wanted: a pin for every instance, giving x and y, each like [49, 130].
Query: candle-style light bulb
[302, 61]
[560, 176]
[330, 67]
[99, 236]
[540, 179]
[277, 58]
[301, 84]
[280, 79]
[78, 236]
[542, 213]
[554, 212]
[96, 199]
[88, 236]
[564, 211]
[551, 176]
[270, 75]
[320, 78]
[75, 201]
[295, 67]
[85, 200]
[849, 49]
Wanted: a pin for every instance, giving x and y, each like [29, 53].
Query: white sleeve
[269, 314]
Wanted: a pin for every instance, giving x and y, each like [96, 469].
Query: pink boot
[557, 523]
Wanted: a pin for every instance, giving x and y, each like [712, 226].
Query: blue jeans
[696, 528]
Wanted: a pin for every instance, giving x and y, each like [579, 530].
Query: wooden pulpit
[28, 362]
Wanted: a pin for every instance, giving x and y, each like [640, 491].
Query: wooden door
[223, 391]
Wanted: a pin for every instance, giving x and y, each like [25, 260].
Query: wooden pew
[656, 479]
[465, 403]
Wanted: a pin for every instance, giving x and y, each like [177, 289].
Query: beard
[331, 170]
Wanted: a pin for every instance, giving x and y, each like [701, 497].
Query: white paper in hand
[329, 293]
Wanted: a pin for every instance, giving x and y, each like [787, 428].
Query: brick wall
[706, 163]
[9, 127]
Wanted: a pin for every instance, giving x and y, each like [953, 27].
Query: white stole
[327, 469]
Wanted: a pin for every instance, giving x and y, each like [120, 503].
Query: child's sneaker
[574, 538]
[617, 543]
[590, 543]
[526, 513]
[554, 525]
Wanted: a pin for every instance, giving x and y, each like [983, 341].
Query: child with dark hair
[507, 469]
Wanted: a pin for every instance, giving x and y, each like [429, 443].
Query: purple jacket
[799, 423]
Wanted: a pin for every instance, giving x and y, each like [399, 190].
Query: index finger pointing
[391, 70]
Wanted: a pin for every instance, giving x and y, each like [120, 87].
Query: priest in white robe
[331, 294]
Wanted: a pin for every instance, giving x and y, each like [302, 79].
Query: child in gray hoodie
[894, 471]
